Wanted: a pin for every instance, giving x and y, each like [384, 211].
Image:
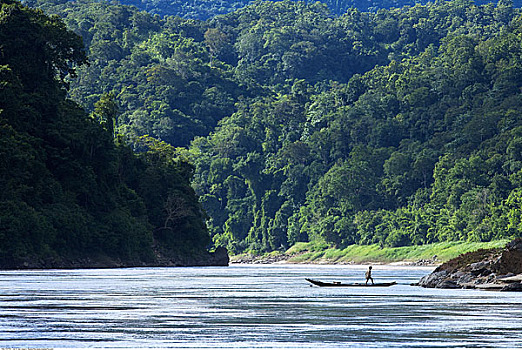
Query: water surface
[248, 306]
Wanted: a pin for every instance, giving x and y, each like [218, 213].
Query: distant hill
[205, 9]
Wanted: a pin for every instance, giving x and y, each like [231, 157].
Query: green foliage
[159, 71]
[68, 190]
[362, 254]
[205, 9]
[408, 153]
[389, 128]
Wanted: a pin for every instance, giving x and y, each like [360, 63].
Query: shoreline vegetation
[315, 253]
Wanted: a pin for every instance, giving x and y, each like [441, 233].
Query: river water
[248, 306]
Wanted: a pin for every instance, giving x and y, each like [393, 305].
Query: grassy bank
[321, 253]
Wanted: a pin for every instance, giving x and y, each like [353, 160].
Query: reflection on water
[248, 306]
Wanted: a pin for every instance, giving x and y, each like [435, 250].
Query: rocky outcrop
[219, 257]
[489, 269]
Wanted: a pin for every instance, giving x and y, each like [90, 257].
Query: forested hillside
[421, 149]
[71, 193]
[206, 9]
[395, 127]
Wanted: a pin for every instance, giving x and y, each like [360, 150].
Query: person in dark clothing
[368, 275]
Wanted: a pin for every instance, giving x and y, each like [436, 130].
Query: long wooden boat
[339, 284]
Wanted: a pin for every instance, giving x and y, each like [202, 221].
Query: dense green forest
[72, 193]
[205, 9]
[399, 126]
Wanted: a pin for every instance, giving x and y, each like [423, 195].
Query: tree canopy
[395, 126]
[206, 9]
[70, 191]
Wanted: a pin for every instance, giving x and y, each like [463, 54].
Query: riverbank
[314, 253]
[161, 258]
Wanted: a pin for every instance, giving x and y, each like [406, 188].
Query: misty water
[248, 306]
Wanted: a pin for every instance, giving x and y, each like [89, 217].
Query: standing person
[369, 275]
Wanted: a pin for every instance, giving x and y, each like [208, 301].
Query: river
[248, 306]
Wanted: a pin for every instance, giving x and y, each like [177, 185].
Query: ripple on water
[248, 307]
